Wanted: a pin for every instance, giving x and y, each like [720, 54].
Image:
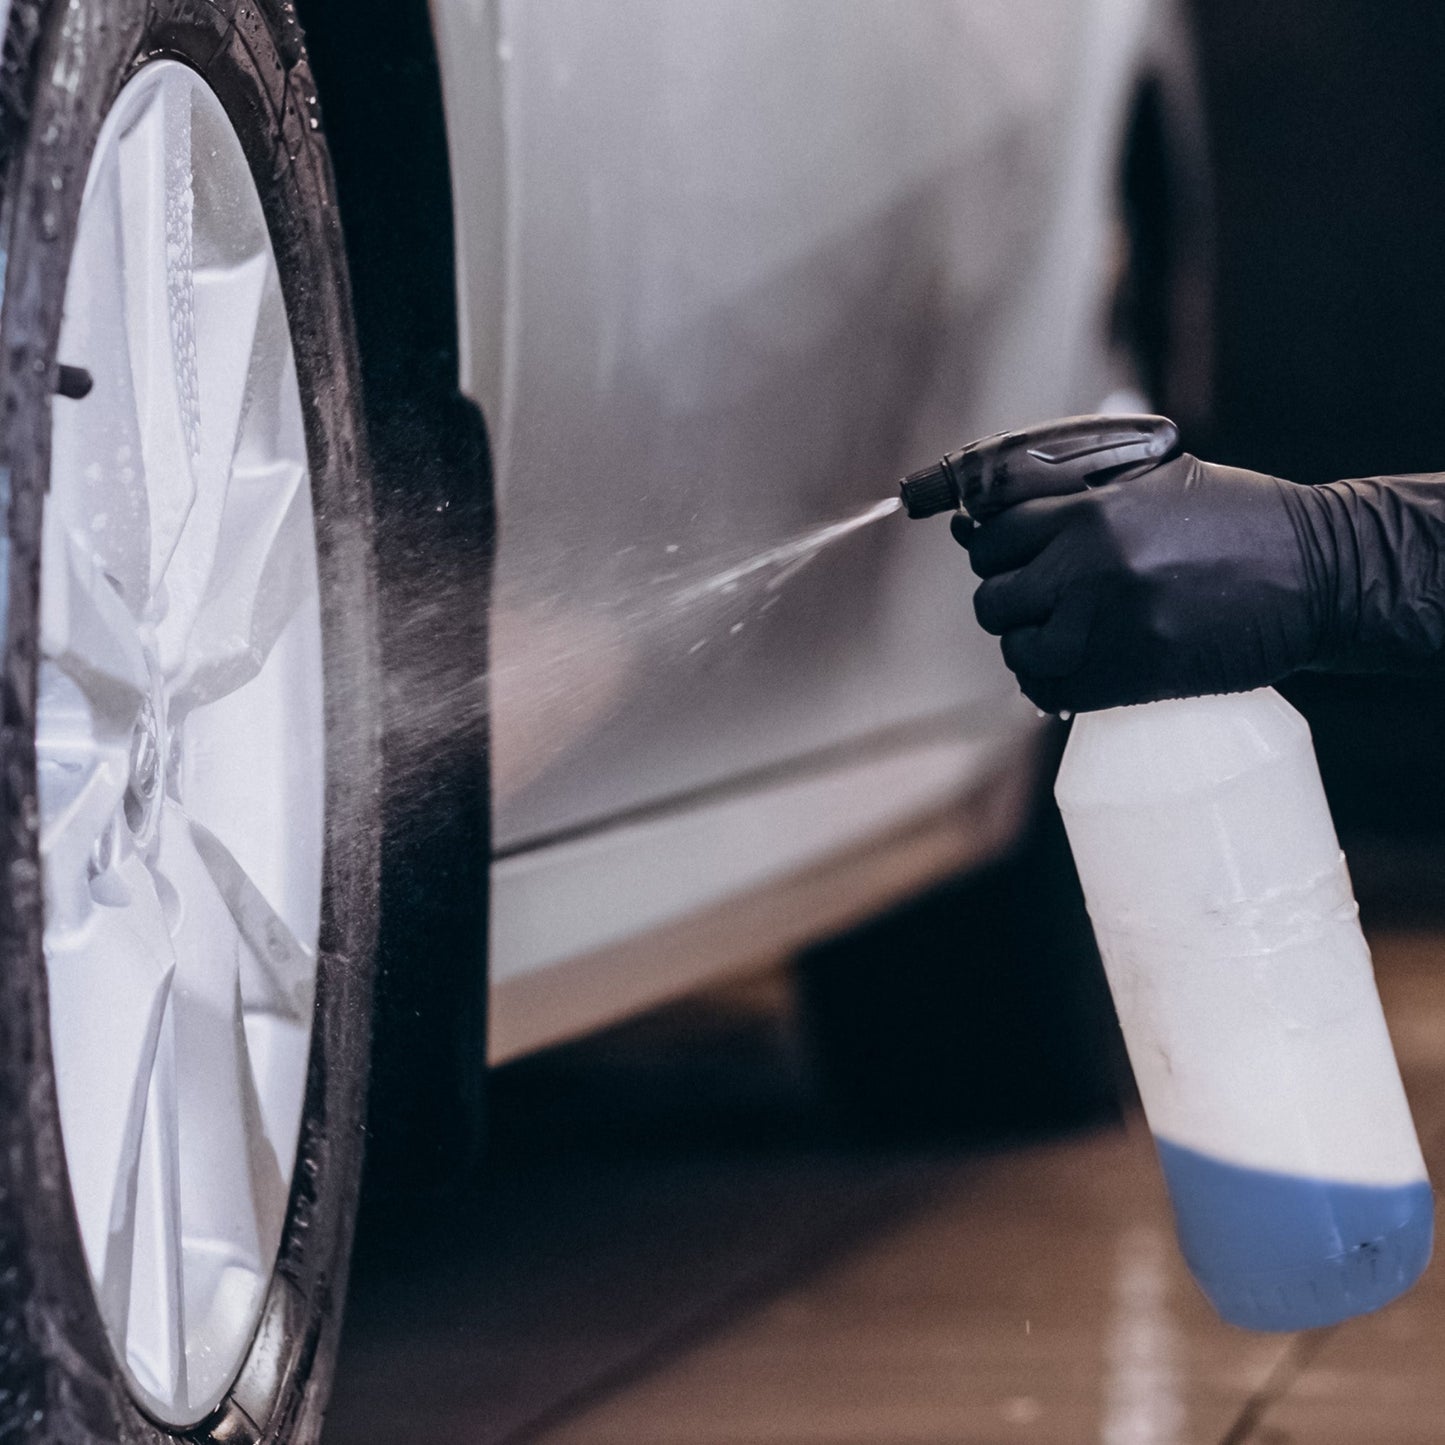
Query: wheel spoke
[229, 303]
[272, 427]
[156, 1305]
[265, 573]
[233, 1193]
[109, 980]
[278, 974]
[87, 630]
[157, 203]
[82, 780]
[98, 484]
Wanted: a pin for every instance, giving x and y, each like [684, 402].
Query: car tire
[62, 1379]
[436, 528]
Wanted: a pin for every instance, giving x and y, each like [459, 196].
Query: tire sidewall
[63, 66]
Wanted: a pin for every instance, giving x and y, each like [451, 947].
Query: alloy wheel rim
[179, 744]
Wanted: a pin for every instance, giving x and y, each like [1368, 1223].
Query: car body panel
[583, 933]
[724, 274]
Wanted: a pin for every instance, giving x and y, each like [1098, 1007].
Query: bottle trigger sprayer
[1232, 945]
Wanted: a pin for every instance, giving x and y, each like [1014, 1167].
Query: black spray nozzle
[930, 491]
[1042, 461]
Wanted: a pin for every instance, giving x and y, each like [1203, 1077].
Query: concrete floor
[676, 1253]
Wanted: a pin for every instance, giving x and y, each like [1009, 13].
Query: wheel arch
[379, 82]
[1167, 201]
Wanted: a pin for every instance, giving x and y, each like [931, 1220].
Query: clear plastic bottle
[1243, 983]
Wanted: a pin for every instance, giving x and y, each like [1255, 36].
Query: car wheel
[190, 752]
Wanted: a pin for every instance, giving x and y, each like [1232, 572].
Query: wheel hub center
[143, 789]
[145, 757]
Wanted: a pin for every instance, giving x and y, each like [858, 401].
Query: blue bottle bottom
[1285, 1252]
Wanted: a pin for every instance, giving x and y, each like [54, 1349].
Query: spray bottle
[1229, 933]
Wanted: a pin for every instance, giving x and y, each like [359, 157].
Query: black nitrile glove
[1197, 579]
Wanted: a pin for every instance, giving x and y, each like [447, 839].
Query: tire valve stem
[74, 382]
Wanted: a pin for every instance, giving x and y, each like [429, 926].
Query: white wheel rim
[180, 744]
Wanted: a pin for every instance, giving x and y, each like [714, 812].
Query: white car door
[757, 260]
[727, 270]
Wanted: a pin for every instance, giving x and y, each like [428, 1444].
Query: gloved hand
[1197, 579]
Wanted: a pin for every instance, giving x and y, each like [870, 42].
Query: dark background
[1327, 121]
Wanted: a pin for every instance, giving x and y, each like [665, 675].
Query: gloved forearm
[1198, 579]
[1381, 545]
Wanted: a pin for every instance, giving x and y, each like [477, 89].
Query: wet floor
[676, 1250]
